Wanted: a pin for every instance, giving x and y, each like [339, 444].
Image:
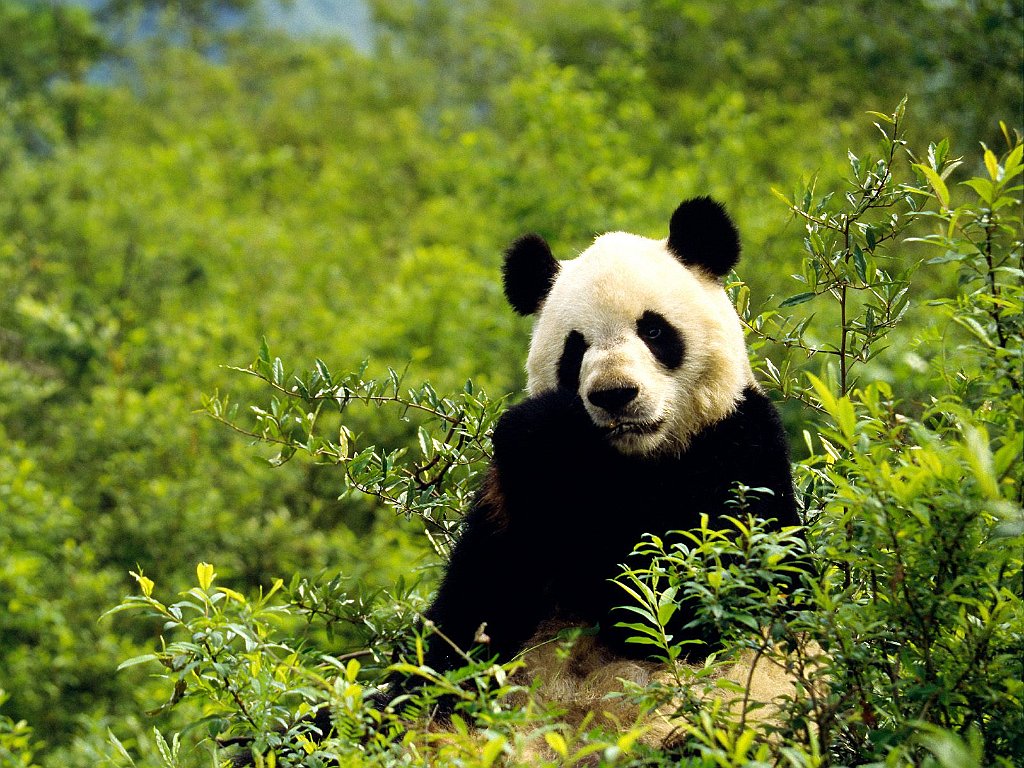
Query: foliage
[845, 244]
[905, 641]
[435, 489]
[16, 744]
[176, 180]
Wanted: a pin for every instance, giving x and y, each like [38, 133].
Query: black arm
[494, 575]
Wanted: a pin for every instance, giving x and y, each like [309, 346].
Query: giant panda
[641, 414]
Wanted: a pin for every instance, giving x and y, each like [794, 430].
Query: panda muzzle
[620, 428]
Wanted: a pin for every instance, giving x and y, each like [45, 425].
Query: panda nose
[615, 399]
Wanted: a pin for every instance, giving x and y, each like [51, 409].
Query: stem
[342, 392]
[993, 286]
[225, 680]
[843, 367]
[758, 655]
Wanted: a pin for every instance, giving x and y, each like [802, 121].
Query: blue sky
[348, 18]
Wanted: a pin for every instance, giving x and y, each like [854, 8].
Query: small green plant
[240, 661]
[849, 266]
[916, 507]
[224, 652]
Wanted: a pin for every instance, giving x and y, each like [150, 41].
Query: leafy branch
[844, 247]
[434, 488]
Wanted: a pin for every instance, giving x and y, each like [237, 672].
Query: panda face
[651, 343]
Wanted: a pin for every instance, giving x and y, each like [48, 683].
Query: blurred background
[181, 178]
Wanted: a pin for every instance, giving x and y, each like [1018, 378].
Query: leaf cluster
[453, 437]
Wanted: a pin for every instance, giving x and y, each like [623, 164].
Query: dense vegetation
[169, 198]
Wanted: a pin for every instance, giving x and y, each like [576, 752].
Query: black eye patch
[571, 361]
[662, 339]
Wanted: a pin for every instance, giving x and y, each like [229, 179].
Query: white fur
[602, 293]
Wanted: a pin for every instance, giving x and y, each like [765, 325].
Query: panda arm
[753, 450]
[489, 582]
[541, 433]
[500, 569]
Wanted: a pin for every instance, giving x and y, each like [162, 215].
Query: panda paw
[553, 422]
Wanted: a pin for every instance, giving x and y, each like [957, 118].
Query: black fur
[662, 338]
[571, 361]
[562, 509]
[528, 273]
[701, 234]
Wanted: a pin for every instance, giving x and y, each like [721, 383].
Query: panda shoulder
[755, 420]
[755, 405]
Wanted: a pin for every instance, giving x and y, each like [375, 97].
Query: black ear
[701, 234]
[529, 272]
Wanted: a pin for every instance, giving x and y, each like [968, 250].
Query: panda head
[641, 329]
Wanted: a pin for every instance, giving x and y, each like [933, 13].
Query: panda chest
[600, 510]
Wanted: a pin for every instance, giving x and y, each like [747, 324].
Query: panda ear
[529, 272]
[701, 234]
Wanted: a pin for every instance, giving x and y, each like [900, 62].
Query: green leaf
[937, 184]
[991, 164]
[983, 187]
[135, 660]
[557, 743]
[423, 437]
[979, 458]
[205, 575]
[120, 748]
[949, 749]
[976, 330]
[323, 372]
[860, 263]
[799, 298]
[1013, 163]
[638, 640]
[870, 237]
[491, 750]
[840, 409]
[743, 744]
[782, 197]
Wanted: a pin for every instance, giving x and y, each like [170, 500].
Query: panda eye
[650, 327]
[662, 338]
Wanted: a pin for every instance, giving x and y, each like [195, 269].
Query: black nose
[615, 399]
